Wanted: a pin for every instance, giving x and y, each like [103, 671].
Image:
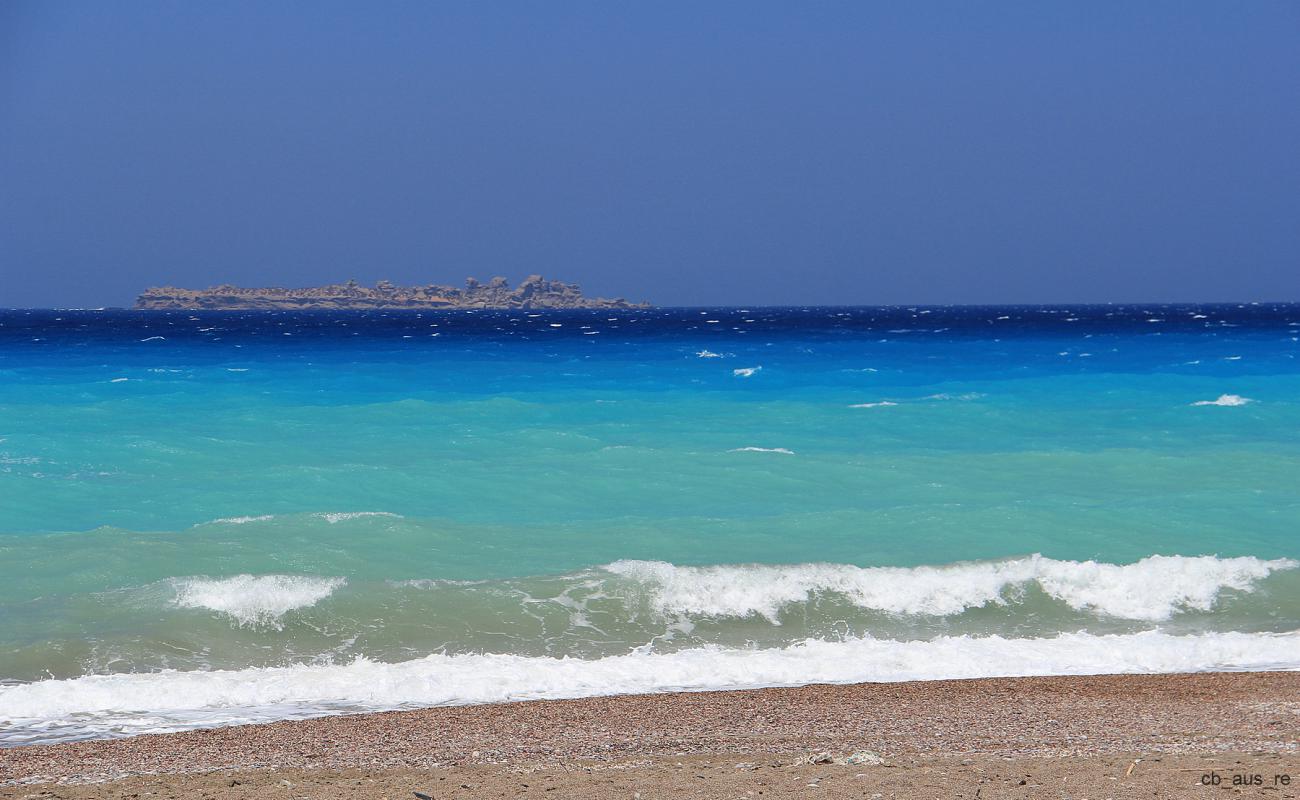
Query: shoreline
[1092, 720]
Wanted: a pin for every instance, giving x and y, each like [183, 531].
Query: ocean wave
[125, 704]
[238, 520]
[781, 450]
[254, 600]
[745, 372]
[333, 517]
[960, 396]
[1225, 400]
[1153, 589]
[940, 396]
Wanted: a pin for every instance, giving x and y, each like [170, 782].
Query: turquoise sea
[209, 518]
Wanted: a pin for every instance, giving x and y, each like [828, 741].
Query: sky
[683, 153]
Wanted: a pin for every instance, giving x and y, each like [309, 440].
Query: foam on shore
[126, 704]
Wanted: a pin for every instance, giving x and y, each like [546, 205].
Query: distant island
[534, 292]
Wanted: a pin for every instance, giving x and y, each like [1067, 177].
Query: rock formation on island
[534, 292]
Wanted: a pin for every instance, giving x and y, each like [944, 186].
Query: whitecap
[874, 405]
[1152, 589]
[239, 520]
[1225, 400]
[745, 372]
[259, 600]
[781, 450]
[333, 517]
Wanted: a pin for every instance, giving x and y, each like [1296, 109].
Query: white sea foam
[254, 599]
[152, 702]
[961, 396]
[333, 517]
[708, 354]
[880, 404]
[1152, 589]
[238, 520]
[781, 450]
[745, 372]
[1225, 400]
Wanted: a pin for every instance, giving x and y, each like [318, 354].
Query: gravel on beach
[922, 723]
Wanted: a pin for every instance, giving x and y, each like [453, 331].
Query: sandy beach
[1097, 737]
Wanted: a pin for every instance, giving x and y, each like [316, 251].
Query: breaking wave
[255, 600]
[1153, 589]
[126, 704]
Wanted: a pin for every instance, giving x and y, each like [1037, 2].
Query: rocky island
[534, 292]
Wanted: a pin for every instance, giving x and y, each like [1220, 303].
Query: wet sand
[1079, 737]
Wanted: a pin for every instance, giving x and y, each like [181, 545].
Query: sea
[221, 517]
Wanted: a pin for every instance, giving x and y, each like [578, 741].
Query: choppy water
[218, 517]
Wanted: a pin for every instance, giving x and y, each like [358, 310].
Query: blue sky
[679, 152]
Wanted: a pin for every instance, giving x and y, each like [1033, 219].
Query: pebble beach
[1128, 736]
